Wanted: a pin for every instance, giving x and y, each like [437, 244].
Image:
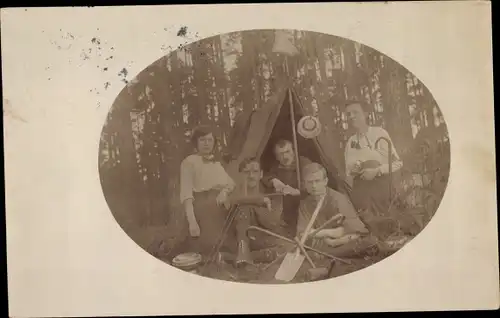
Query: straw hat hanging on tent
[309, 127]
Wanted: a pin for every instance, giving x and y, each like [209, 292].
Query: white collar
[368, 130]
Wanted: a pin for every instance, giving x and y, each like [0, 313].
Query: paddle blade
[289, 267]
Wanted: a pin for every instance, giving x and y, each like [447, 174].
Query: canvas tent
[254, 135]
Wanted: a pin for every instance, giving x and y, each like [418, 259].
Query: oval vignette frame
[220, 80]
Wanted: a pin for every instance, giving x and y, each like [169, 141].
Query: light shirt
[197, 175]
[367, 151]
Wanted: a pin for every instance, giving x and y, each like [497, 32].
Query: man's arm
[268, 177]
[249, 200]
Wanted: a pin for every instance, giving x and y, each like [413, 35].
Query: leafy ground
[159, 241]
[263, 274]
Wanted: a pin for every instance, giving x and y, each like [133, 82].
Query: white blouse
[361, 147]
[198, 176]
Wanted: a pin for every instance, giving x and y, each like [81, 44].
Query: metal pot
[187, 261]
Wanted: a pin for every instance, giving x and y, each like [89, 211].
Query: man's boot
[243, 257]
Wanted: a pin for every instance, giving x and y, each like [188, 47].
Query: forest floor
[264, 273]
[161, 240]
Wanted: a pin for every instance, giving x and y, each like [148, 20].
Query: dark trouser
[211, 220]
[290, 213]
[372, 194]
[373, 198]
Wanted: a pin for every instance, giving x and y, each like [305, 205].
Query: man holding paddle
[342, 239]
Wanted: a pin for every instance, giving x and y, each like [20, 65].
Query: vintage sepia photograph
[274, 156]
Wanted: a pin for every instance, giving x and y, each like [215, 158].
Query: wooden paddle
[293, 261]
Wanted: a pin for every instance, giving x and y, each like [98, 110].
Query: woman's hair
[367, 108]
[199, 132]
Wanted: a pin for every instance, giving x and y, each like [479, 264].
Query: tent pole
[294, 131]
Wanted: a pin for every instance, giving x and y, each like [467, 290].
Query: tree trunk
[199, 68]
[130, 186]
[349, 51]
[246, 71]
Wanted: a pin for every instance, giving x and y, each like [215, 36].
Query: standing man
[283, 177]
[367, 161]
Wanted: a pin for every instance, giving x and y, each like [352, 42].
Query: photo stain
[96, 41]
[8, 111]
[68, 36]
[109, 58]
[106, 85]
[84, 56]
[105, 69]
[123, 72]
[182, 31]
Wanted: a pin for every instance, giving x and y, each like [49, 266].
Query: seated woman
[204, 190]
[347, 240]
[256, 209]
